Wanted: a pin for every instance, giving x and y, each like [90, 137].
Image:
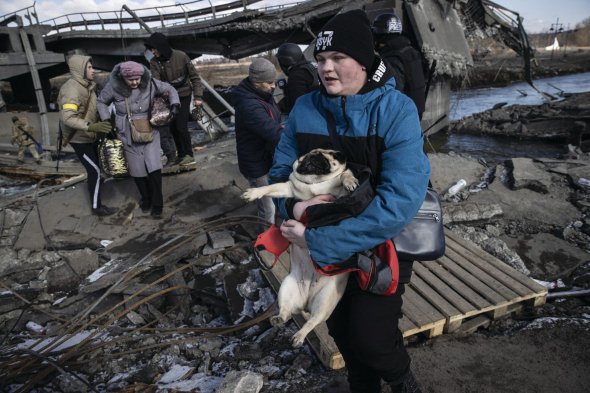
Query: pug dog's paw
[349, 181]
[298, 339]
[276, 320]
[252, 194]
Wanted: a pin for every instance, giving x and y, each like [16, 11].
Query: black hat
[159, 42]
[14, 119]
[349, 33]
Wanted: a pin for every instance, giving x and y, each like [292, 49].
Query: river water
[497, 149]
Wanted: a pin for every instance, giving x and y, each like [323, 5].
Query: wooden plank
[520, 277]
[442, 288]
[473, 324]
[407, 327]
[473, 282]
[422, 313]
[487, 274]
[524, 291]
[467, 293]
[434, 298]
[511, 277]
[418, 310]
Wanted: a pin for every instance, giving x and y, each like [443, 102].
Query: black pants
[179, 129]
[150, 189]
[88, 156]
[365, 329]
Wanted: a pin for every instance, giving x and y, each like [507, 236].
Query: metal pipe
[36, 83]
[138, 19]
[216, 95]
[575, 292]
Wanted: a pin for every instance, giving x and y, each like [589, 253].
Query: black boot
[409, 386]
[104, 211]
[144, 190]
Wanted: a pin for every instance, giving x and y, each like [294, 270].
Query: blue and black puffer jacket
[378, 128]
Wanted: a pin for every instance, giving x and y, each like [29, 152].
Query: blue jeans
[266, 209]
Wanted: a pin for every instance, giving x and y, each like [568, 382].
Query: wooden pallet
[465, 287]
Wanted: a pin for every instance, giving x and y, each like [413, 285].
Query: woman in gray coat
[131, 84]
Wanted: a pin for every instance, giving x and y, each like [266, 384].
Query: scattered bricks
[241, 382]
[220, 239]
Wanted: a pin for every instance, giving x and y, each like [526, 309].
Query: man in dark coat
[175, 67]
[303, 76]
[258, 128]
[406, 61]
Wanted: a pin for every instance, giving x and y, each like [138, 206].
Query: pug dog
[305, 291]
[318, 172]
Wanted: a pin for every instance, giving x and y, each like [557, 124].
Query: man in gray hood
[80, 124]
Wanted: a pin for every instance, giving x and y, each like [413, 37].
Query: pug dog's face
[320, 162]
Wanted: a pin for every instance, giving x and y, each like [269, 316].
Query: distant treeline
[577, 36]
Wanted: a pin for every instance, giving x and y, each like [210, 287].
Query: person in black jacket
[175, 67]
[406, 61]
[258, 128]
[302, 75]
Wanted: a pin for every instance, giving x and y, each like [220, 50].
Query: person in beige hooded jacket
[80, 126]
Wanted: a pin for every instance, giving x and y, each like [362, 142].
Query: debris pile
[189, 316]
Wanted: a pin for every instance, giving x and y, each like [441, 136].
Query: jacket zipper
[343, 100]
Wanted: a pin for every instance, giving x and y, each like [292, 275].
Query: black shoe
[409, 386]
[104, 211]
[145, 206]
[156, 213]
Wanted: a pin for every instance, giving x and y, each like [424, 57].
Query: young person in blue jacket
[376, 126]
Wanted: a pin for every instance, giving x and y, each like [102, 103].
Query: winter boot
[409, 386]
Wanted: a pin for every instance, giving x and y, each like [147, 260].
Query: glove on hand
[174, 109]
[103, 127]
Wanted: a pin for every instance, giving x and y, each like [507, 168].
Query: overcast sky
[538, 14]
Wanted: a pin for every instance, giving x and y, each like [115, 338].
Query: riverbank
[506, 67]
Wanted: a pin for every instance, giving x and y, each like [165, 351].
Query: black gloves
[103, 127]
[174, 109]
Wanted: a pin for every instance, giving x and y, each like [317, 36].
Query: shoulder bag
[159, 111]
[111, 157]
[141, 129]
[423, 239]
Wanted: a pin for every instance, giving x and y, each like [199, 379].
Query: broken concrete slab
[528, 174]
[241, 382]
[470, 212]
[547, 257]
[71, 271]
[220, 239]
[447, 169]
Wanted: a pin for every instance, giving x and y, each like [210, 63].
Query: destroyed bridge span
[240, 28]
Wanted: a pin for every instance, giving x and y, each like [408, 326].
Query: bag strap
[128, 111]
[331, 121]
[268, 108]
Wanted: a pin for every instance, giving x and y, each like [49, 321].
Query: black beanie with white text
[349, 33]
